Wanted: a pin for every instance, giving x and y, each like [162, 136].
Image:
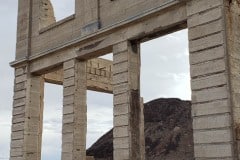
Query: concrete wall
[101, 27]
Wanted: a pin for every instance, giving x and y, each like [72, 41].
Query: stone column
[27, 113]
[23, 29]
[214, 78]
[232, 40]
[127, 109]
[74, 111]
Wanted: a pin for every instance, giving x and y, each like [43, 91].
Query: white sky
[164, 73]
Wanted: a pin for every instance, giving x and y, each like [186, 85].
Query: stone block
[19, 94]
[67, 128]
[196, 6]
[205, 17]
[205, 29]
[208, 68]
[209, 108]
[67, 100]
[69, 82]
[121, 131]
[66, 155]
[210, 41]
[121, 99]
[207, 55]
[67, 147]
[69, 73]
[121, 143]
[121, 120]
[18, 110]
[120, 67]
[120, 57]
[67, 91]
[120, 78]
[16, 152]
[20, 71]
[120, 109]
[20, 86]
[213, 150]
[209, 81]
[17, 143]
[69, 64]
[68, 118]
[17, 135]
[19, 102]
[120, 88]
[17, 127]
[212, 122]
[212, 136]
[67, 138]
[68, 109]
[209, 94]
[120, 47]
[120, 154]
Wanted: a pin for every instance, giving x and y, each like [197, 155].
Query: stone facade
[65, 53]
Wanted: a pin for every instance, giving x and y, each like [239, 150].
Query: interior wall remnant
[46, 13]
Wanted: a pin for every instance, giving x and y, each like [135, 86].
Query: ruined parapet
[46, 13]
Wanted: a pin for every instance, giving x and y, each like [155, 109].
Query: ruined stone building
[66, 52]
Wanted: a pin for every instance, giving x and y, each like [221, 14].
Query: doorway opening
[52, 122]
[165, 86]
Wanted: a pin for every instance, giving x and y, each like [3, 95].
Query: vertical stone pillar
[74, 111]
[23, 29]
[215, 105]
[232, 24]
[27, 113]
[127, 109]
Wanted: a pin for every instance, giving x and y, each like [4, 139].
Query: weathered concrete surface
[128, 127]
[46, 14]
[213, 39]
[102, 27]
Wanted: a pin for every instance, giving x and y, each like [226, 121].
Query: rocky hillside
[168, 132]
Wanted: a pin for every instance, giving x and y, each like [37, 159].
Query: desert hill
[168, 132]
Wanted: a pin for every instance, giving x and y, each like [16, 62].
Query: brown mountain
[168, 132]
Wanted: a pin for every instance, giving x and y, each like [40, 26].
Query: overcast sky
[164, 73]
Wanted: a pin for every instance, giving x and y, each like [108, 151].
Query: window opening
[63, 8]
